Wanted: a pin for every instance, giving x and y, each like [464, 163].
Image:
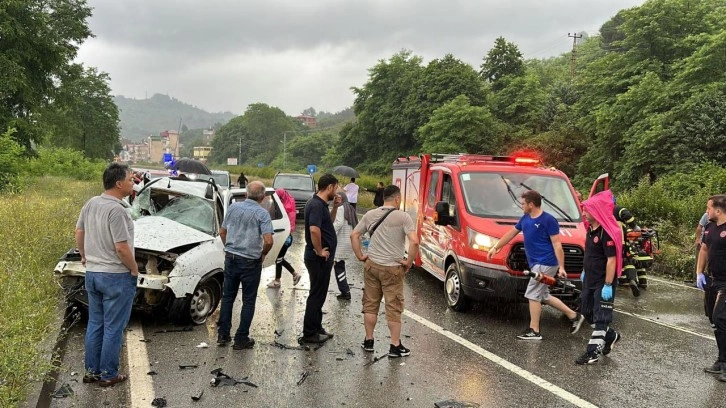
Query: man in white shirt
[351, 190]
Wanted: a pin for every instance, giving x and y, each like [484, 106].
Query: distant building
[309, 121]
[207, 136]
[202, 153]
[166, 142]
[134, 152]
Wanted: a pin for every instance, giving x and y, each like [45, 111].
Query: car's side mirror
[441, 216]
[209, 192]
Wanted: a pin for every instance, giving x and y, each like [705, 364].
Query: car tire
[453, 292]
[198, 306]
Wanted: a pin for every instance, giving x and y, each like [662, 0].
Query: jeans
[340, 276]
[110, 296]
[238, 269]
[281, 261]
[319, 270]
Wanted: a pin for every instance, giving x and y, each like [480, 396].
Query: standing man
[713, 251]
[246, 233]
[700, 229]
[544, 255]
[385, 266]
[105, 240]
[603, 262]
[351, 190]
[320, 245]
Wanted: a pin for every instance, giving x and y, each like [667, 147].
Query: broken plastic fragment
[64, 391]
[152, 372]
[203, 345]
[183, 366]
[197, 397]
[455, 404]
[158, 402]
[303, 376]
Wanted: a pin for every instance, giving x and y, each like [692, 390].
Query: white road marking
[534, 379]
[680, 285]
[670, 326]
[141, 384]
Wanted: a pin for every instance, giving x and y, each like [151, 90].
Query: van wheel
[455, 297]
[197, 307]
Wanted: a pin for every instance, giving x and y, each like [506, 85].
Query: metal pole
[239, 157]
[284, 150]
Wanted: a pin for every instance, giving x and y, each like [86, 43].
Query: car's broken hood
[162, 234]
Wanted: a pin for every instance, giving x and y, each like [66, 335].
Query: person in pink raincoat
[603, 264]
[289, 203]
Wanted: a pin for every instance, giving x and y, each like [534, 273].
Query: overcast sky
[222, 55]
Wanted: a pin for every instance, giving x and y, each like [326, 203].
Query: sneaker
[576, 323]
[610, 344]
[325, 333]
[296, 279]
[398, 351]
[634, 288]
[530, 334]
[367, 345]
[246, 344]
[274, 284]
[588, 358]
[223, 340]
[714, 369]
[344, 296]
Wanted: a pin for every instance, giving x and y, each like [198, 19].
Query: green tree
[82, 115]
[458, 127]
[38, 39]
[504, 59]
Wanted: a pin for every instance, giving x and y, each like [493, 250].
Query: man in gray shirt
[385, 266]
[247, 237]
[105, 240]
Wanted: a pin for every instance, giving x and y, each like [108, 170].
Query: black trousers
[718, 317]
[599, 312]
[319, 270]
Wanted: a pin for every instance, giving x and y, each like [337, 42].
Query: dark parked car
[300, 186]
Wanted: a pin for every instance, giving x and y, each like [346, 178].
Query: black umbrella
[346, 171]
[190, 166]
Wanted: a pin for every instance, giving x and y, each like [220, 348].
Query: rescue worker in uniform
[713, 251]
[626, 220]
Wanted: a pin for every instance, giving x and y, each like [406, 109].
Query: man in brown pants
[385, 266]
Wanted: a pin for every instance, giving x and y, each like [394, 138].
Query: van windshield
[497, 195]
[294, 183]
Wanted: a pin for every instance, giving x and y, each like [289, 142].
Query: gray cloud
[224, 55]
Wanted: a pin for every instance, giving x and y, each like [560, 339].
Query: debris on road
[303, 376]
[278, 332]
[349, 352]
[152, 372]
[455, 404]
[198, 396]
[183, 366]
[145, 340]
[184, 329]
[375, 360]
[64, 391]
[221, 378]
[158, 402]
[285, 346]
[203, 345]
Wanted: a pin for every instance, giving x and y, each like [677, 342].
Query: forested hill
[143, 117]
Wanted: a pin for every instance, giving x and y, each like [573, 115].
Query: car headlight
[481, 242]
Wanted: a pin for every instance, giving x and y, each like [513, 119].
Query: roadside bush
[62, 162]
[11, 161]
[41, 223]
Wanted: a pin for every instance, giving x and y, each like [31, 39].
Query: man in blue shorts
[544, 255]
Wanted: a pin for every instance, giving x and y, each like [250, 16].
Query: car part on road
[198, 396]
[158, 402]
[183, 366]
[221, 378]
[185, 329]
[303, 377]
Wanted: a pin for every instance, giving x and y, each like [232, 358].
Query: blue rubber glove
[701, 281]
[607, 292]
[582, 276]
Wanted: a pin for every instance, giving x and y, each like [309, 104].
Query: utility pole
[239, 157]
[574, 37]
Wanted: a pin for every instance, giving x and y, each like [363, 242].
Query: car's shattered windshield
[192, 211]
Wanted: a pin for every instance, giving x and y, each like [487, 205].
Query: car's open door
[602, 183]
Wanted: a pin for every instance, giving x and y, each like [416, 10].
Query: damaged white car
[178, 248]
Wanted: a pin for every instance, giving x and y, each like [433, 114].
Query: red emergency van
[462, 204]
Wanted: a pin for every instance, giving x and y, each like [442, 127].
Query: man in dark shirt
[603, 259]
[320, 243]
[714, 247]
[627, 223]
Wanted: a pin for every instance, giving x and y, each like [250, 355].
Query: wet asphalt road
[666, 343]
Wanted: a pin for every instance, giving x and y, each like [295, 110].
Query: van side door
[429, 250]
[602, 183]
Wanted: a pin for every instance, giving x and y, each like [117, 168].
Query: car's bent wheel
[455, 297]
[197, 307]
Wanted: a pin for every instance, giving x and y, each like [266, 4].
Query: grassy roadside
[38, 226]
